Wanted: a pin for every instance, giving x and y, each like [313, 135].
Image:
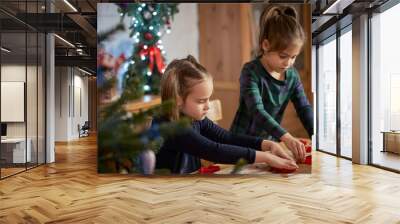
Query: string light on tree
[146, 88]
[149, 22]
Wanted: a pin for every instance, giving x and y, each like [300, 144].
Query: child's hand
[276, 149]
[280, 163]
[295, 146]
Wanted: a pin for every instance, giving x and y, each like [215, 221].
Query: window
[346, 93]
[385, 89]
[327, 96]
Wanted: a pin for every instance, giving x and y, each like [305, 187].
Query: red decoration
[308, 159]
[154, 54]
[107, 61]
[119, 61]
[148, 36]
[209, 169]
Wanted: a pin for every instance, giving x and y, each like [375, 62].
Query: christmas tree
[149, 22]
[126, 141]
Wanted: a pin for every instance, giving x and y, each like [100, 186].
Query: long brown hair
[179, 77]
[279, 25]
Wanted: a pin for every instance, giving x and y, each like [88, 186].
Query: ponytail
[290, 11]
[279, 25]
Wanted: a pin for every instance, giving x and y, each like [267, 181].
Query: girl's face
[197, 102]
[280, 61]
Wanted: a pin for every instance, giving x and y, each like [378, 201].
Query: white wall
[80, 94]
[13, 72]
[70, 84]
[61, 103]
[184, 36]
[183, 39]
[13, 101]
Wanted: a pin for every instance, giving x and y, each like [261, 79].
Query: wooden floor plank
[70, 191]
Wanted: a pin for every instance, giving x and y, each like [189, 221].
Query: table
[13, 150]
[263, 168]
[144, 103]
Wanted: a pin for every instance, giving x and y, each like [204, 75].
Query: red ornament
[155, 57]
[148, 36]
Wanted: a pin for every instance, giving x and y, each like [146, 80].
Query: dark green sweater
[263, 100]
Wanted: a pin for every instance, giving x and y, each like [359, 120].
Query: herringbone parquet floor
[70, 191]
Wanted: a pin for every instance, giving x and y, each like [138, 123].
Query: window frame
[347, 27]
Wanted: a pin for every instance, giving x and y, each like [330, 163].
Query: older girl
[268, 82]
